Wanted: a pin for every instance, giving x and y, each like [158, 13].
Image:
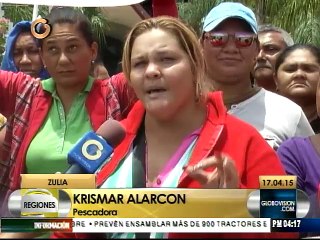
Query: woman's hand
[225, 175]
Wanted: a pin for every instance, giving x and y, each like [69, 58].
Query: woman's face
[298, 75]
[67, 55]
[161, 74]
[26, 55]
[230, 62]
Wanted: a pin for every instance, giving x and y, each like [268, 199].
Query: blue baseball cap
[227, 10]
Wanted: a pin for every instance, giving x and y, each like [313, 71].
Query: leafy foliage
[17, 13]
[194, 11]
[99, 23]
[299, 17]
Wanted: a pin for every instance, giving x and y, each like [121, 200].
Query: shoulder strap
[139, 168]
[138, 161]
[315, 124]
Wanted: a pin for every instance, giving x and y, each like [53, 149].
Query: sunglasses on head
[220, 39]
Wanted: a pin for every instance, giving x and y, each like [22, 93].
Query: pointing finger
[231, 174]
[199, 175]
[208, 162]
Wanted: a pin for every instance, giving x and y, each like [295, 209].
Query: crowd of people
[211, 111]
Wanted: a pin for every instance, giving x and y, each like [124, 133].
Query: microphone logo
[90, 153]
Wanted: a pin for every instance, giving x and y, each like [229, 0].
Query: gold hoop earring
[198, 91]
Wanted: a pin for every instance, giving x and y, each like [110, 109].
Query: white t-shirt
[276, 118]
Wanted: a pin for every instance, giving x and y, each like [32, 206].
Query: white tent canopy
[77, 3]
[72, 3]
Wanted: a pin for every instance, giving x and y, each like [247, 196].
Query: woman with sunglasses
[230, 48]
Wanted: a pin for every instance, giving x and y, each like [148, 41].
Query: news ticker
[154, 225]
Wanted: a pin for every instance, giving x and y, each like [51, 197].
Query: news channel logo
[40, 28]
[90, 152]
[92, 149]
[39, 203]
[278, 203]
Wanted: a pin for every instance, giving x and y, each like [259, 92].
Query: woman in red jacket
[46, 118]
[178, 135]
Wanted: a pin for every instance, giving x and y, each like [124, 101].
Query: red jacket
[164, 7]
[221, 133]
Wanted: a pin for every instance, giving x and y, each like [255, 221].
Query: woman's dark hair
[26, 30]
[72, 16]
[315, 51]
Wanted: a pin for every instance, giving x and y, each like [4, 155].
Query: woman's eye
[289, 70]
[73, 47]
[17, 53]
[167, 59]
[52, 49]
[138, 64]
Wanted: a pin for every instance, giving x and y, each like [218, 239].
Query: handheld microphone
[94, 149]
